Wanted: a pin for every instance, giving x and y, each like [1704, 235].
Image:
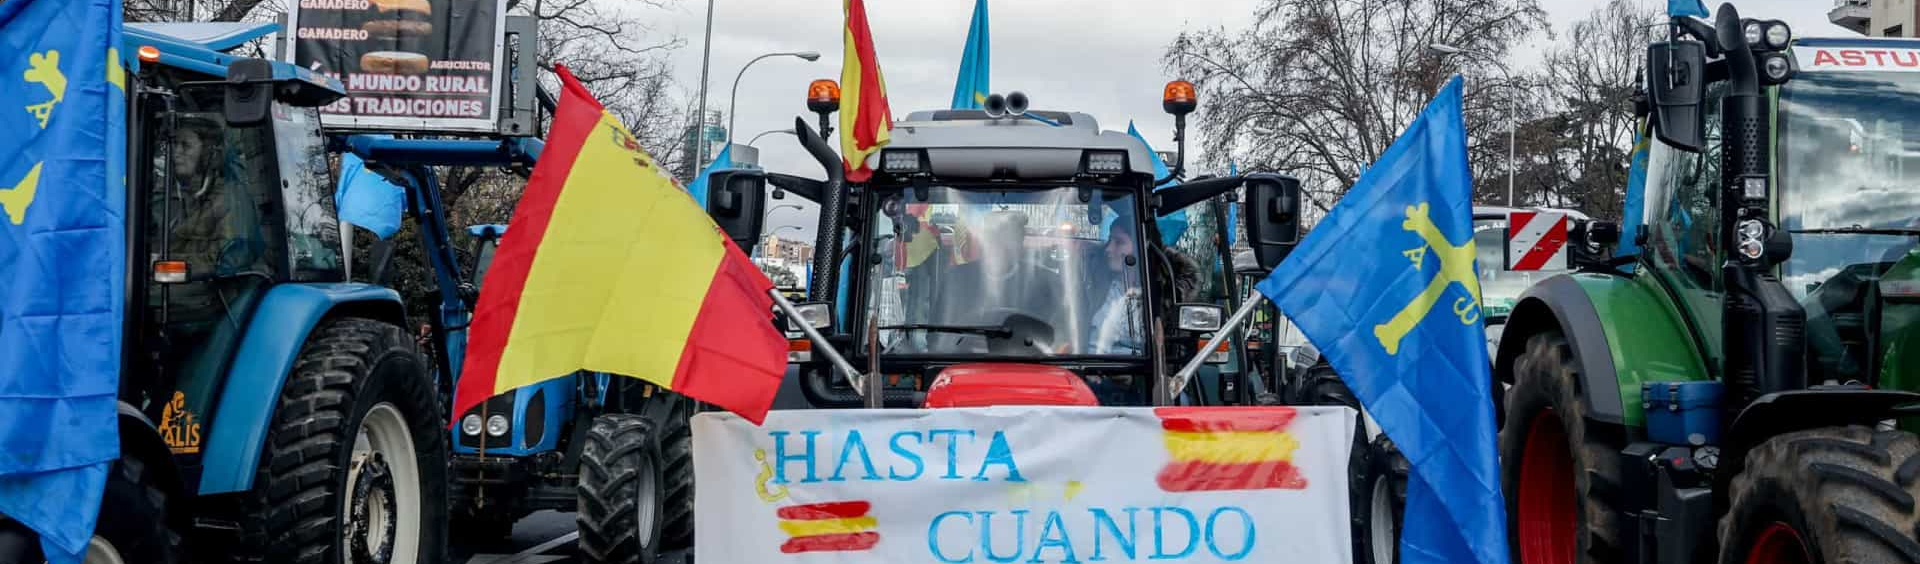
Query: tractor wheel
[619, 494]
[1559, 476]
[1320, 385]
[133, 525]
[1385, 494]
[676, 433]
[1833, 494]
[355, 468]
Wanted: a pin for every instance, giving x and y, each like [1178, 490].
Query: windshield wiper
[1858, 230]
[987, 331]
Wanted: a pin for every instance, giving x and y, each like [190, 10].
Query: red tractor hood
[988, 384]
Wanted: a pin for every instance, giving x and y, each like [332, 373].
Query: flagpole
[1179, 381]
[700, 119]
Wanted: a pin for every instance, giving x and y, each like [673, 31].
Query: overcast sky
[1096, 56]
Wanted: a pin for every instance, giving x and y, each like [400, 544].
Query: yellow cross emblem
[1456, 267]
[44, 68]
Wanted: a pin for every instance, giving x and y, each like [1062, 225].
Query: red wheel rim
[1548, 514]
[1779, 544]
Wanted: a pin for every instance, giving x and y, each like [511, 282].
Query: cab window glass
[313, 229]
[1683, 232]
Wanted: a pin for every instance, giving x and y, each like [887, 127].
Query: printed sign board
[1887, 58]
[1536, 241]
[408, 65]
[1026, 484]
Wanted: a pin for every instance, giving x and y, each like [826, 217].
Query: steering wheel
[1027, 332]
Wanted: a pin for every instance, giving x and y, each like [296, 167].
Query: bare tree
[1320, 88]
[1576, 152]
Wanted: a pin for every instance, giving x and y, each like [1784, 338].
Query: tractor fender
[1779, 413]
[1623, 330]
[1559, 303]
[275, 334]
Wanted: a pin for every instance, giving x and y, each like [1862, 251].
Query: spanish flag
[840, 526]
[1240, 448]
[866, 123]
[611, 267]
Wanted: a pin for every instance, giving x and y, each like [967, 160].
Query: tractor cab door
[220, 225]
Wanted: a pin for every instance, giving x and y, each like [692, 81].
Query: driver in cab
[1001, 286]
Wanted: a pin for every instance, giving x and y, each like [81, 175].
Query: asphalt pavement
[546, 537]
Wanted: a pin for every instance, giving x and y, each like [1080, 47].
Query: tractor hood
[990, 384]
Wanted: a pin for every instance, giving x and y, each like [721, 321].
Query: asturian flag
[1386, 288]
[62, 264]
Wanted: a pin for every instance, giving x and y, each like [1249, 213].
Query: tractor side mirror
[1676, 86]
[1272, 212]
[249, 92]
[737, 201]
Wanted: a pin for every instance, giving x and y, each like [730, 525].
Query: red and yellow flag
[611, 267]
[1242, 448]
[866, 123]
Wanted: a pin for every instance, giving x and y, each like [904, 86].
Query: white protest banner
[1024, 484]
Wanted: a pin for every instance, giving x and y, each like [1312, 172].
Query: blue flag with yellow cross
[1385, 287]
[62, 263]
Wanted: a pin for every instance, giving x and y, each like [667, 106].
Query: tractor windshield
[1006, 272]
[1850, 195]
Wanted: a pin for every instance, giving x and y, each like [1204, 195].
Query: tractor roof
[968, 144]
[204, 47]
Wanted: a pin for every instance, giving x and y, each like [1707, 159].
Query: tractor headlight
[497, 425]
[470, 424]
[1201, 317]
[1752, 235]
[1778, 35]
[1777, 69]
[1756, 34]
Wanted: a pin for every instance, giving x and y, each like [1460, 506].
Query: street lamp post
[756, 138]
[734, 99]
[700, 119]
[1513, 118]
[757, 245]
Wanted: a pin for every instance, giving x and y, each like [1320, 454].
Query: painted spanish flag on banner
[866, 123]
[1242, 448]
[611, 267]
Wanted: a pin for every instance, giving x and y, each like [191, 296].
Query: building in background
[786, 251]
[1877, 18]
[712, 133]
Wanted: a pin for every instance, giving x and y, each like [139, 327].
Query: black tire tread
[1546, 370]
[1844, 484]
[133, 515]
[676, 455]
[291, 514]
[609, 466]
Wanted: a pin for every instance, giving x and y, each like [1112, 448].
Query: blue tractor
[270, 410]
[617, 451]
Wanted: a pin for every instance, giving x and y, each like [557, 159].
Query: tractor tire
[1320, 385]
[676, 434]
[619, 497]
[1832, 494]
[134, 524]
[1560, 476]
[1384, 502]
[355, 468]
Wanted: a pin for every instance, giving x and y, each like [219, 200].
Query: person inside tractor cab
[203, 211]
[1115, 283]
[1002, 287]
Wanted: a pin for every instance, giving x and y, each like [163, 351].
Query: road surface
[546, 537]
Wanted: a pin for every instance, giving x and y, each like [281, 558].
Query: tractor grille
[501, 404]
[535, 425]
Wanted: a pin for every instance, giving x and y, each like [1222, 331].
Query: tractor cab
[228, 197]
[1002, 256]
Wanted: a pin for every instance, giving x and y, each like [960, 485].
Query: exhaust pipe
[996, 106]
[826, 254]
[1016, 103]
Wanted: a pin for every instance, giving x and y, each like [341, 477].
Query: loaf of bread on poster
[393, 62]
[400, 19]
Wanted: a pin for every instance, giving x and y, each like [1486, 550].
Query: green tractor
[1740, 389]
